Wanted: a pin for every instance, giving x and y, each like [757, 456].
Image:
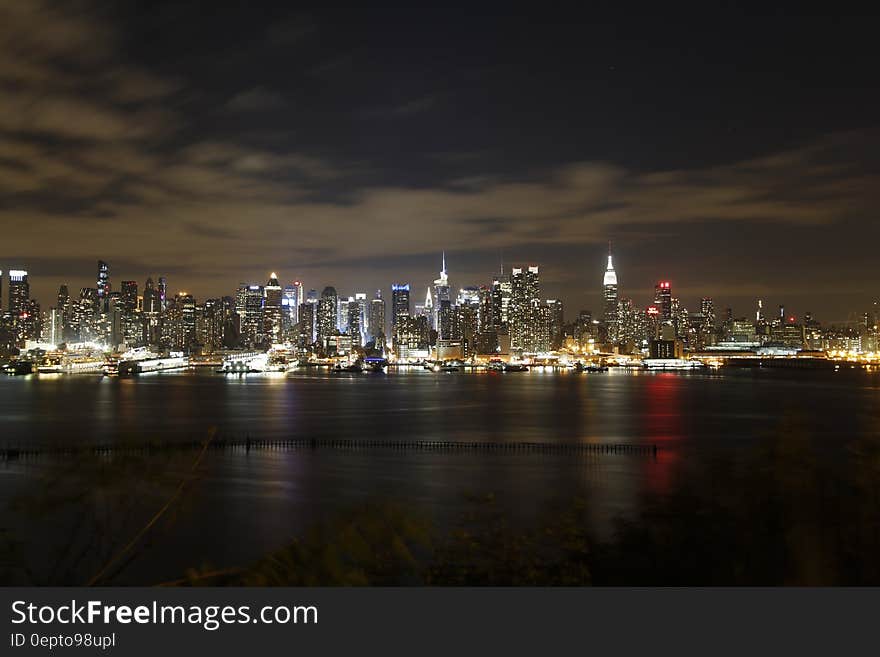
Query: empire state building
[609, 316]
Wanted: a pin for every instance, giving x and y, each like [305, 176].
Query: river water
[246, 503]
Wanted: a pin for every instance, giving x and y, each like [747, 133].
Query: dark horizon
[734, 156]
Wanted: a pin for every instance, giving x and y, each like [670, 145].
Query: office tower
[178, 324]
[63, 307]
[399, 302]
[377, 317]
[151, 297]
[442, 300]
[500, 300]
[249, 300]
[557, 323]
[524, 291]
[328, 308]
[663, 300]
[363, 315]
[356, 310]
[411, 334]
[342, 315]
[129, 291]
[540, 327]
[19, 291]
[306, 332]
[290, 301]
[680, 318]
[212, 325]
[163, 293]
[103, 285]
[428, 310]
[583, 329]
[609, 295]
[272, 298]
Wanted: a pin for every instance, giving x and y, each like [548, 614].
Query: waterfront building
[525, 291]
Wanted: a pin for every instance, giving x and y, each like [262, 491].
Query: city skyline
[642, 297]
[323, 150]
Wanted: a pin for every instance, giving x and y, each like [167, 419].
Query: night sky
[734, 155]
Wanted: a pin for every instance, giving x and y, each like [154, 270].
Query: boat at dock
[157, 364]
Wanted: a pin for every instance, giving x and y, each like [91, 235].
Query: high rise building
[399, 303]
[328, 309]
[356, 310]
[249, 308]
[272, 300]
[557, 323]
[525, 291]
[442, 302]
[306, 332]
[103, 285]
[501, 291]
[129, 291]
[377, 317]
[151, 300]
[63, 308]
[610, 298]
[290, 302]
[19, 291]
[663, 300]
[163, 293]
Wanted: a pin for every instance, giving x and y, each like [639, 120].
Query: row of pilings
[246, 444]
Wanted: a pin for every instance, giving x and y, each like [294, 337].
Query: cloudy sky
[735, 155]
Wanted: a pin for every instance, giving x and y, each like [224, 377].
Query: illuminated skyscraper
[399, 303]
[103, 285]
[377, 316]
[328, 307]
[500, 300]
[442, 304]
[557, 322]
[272, 295]
[163, 293]
[609, 316]
[19, 291]
[129, 295]
[663, 300]
[249, 308]
[290, 301]
[525, 291]
[357, 317]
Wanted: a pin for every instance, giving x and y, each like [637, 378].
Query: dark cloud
[257, 99]
[170, 162]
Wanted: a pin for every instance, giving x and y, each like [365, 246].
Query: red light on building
[664, 284]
